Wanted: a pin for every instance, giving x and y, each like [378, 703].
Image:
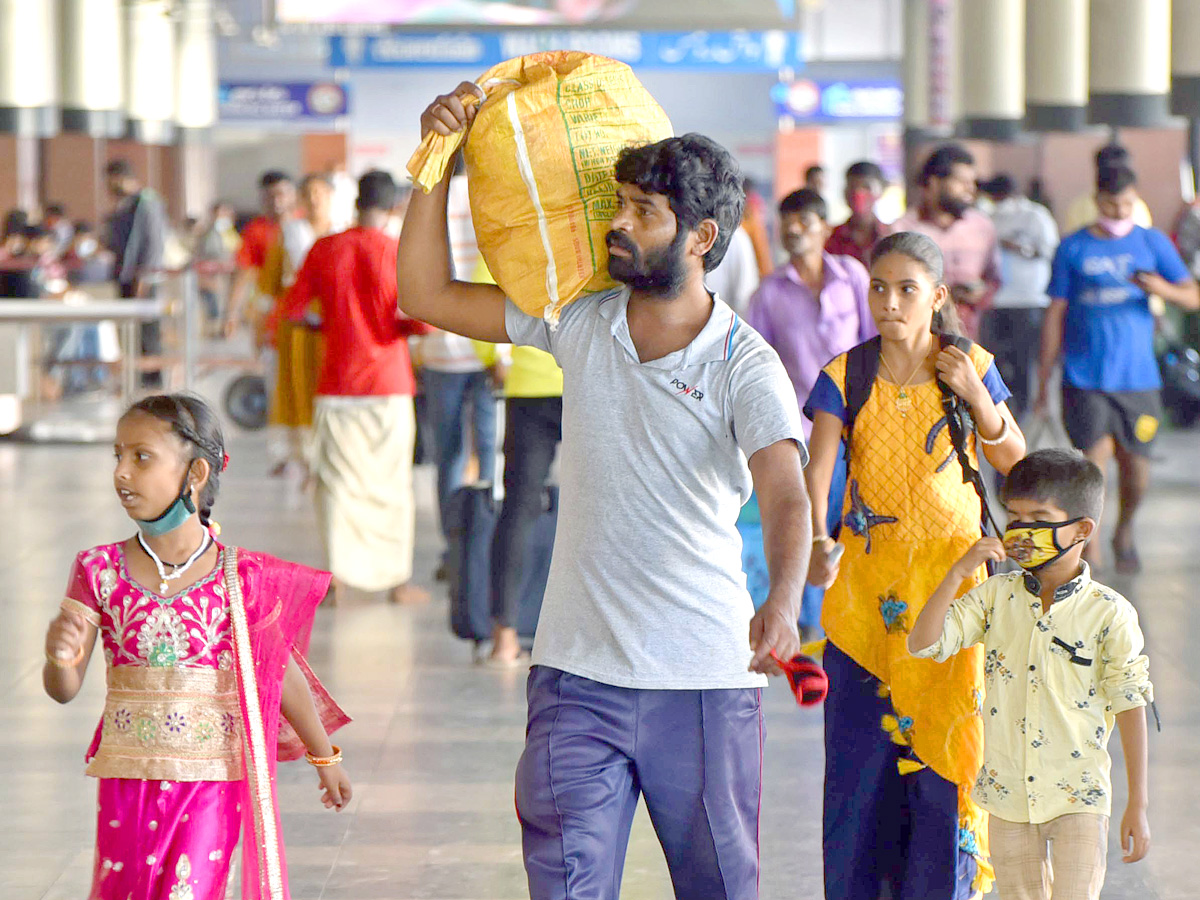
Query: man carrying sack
[649, 661]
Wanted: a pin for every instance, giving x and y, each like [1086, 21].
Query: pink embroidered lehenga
[186, 749]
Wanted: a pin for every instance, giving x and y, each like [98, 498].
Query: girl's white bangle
[998, 439]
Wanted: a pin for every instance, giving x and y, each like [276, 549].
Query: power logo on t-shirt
[688, 390]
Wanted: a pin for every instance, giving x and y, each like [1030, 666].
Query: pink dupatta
[272, 603]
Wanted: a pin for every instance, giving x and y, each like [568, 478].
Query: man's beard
[956, 206]
[659, 273]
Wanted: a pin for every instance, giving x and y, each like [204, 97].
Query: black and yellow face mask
[1034, 545]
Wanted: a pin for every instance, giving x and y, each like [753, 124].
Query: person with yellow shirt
[533, 388]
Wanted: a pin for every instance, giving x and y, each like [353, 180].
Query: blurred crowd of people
[1096, 298]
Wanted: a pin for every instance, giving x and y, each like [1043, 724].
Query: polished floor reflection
[436, 739]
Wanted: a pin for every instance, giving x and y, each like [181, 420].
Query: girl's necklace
[903, 401]
[177, 570]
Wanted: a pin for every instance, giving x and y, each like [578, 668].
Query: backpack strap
[960, 424]
[862, 366]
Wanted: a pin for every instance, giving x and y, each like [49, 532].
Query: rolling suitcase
[472, 516]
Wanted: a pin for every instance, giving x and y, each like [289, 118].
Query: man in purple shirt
[811, 309]
[814, 306]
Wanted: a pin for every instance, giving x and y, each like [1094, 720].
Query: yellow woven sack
[540, 157]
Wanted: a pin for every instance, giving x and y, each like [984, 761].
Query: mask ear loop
[185, 490]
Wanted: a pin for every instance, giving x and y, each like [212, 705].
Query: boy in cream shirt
[1063, 663]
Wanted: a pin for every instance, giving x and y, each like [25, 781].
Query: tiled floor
[435, 740]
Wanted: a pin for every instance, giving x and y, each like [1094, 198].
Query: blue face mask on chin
[181, 509]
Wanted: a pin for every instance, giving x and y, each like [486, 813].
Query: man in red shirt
[861, 232]
[277, 197]
[363, 426]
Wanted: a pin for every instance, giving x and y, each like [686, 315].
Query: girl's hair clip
[225, 462]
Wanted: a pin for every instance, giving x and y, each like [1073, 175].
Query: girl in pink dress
[207, 684]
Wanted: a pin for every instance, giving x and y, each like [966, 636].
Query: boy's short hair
[1065, 478]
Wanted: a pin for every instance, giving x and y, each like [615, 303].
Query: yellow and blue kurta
[909, 518]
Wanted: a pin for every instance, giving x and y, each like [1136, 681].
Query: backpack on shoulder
[862, 368]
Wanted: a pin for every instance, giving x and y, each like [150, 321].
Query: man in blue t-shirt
[1100, 321]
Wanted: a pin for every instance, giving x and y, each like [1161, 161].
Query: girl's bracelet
[64, 663]
[998, 439]
[322, 762]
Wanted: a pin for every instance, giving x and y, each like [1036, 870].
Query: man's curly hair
[700, 179]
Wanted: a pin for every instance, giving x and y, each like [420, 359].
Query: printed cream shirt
[1055, 683]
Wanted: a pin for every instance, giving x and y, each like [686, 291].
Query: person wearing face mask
[863, 230]
[202, 648]
[86, 261]
[87, 264]
[136, 233]
[966, 237]
[1100, 323]
[1063, 664]
[1082, 210]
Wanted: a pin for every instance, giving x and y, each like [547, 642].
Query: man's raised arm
[428, 290]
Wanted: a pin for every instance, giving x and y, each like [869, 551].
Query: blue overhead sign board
[806, 100]
[728, 51]
[304, 102]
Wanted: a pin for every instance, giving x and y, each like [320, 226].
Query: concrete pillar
[196, 66]
[1129, 68]
[930, 85]
[1056, 65]
[91, 54]
[993, 79]
[19, 161]
[944, 64]
[28, 60]
[150, 71]
[195, 108]
[919, 105]
[1185, 58]
[916, 66]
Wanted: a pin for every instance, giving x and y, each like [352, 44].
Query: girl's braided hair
[196, 424]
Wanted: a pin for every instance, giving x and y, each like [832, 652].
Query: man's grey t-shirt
[646, 586]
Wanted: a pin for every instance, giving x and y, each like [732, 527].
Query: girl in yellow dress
[903, 736]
